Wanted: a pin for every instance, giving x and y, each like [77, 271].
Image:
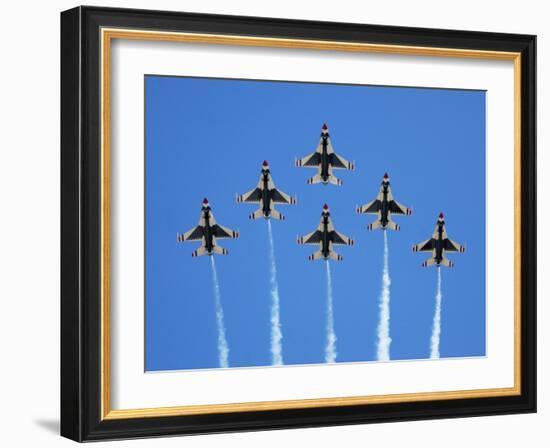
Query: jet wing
[221, 232]
[451, 246]
[399, 209]
[196, 233]
[312, 238]
[251, 196]
[314, 159]
[338, 162]
[425, 246]
[338, 238]
[372, 207]
[281, 198]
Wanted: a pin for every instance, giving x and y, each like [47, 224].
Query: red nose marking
[325, 207]
[441, 215]
[265, 163]
[205, 201]
[386, 175]
[325, 127]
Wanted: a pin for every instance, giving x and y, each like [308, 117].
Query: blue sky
[208, 137]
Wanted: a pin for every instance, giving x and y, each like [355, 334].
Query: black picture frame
[81, 224]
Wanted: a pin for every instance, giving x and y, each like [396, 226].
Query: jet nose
[204, 202]
[441, 216]
[265, 163]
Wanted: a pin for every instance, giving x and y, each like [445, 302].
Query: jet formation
[438, 244]
[326, 237]
[325, 160]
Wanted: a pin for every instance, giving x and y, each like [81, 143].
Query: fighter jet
[438, 244]
[326, 237]
[384, 206]
[208, 232]
[325, 160]
[266, 195]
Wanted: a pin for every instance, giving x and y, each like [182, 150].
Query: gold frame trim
[107, 35]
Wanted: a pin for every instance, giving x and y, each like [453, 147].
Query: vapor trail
[276, 332]
[436, 327]
[384, 339]
[330, 350]
[223, 348]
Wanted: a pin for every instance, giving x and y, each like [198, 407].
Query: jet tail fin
[316, 256]
[257, 214]
[378, 225]
[428, 262]
[276, 214]
[334, 180]
[393, 226]
[374, 225]
[199, 252]
[447, 263]
[219, 250]
[334, 256]
[314, 180]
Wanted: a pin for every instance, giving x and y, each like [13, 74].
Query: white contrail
[436, 327]
[223, 348]
[330, 350]
[384, 339]
[276, 332]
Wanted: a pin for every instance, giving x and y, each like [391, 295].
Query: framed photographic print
[273, 223]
